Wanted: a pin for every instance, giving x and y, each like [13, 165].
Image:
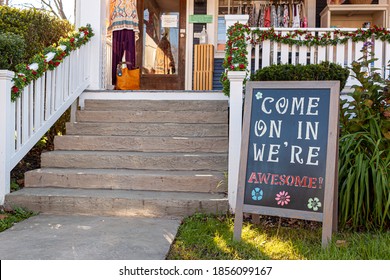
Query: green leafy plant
[364, 149]
[37, 28]
[313, 72]
[14, 186]
[12, 50]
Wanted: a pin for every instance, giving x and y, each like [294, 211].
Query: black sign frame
[328, 217]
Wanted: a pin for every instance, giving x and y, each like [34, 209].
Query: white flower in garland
[81, 34]
[62, 47]
[49, 56]
[33, 66]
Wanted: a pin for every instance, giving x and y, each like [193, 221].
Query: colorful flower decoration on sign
[257, 194]
[259, 95]
[283, 198]
[314, 204]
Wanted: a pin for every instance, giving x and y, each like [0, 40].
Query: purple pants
[122, 41]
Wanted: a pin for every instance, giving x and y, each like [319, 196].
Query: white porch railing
[25, 121]
[269, 53]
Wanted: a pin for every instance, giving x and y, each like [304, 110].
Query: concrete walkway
[48, 237]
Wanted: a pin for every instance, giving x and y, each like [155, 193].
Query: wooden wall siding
[321, 4]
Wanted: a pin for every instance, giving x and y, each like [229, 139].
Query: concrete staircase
[134, 158]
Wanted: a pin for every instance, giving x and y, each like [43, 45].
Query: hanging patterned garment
[123, 15]
[296, 20]
[267, 17]
[260, 20]
[249, 11]
[286, 18]
[304, 23]
[254, 14]
[280, 16]
[274, 17]
[256, 11]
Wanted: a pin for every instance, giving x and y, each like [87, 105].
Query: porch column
[236, 79]
[93, 12]
[5, 132]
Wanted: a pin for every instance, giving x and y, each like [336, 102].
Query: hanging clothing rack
[280, 2]
[273, 13]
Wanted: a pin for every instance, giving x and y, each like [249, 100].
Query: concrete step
[134, 160]
[179, 181]
[156, 105]
[116, 202]
[153, 116]
[142, 144]
[148, 129]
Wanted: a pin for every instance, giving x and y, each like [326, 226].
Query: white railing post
[5, 132]
[236, 79]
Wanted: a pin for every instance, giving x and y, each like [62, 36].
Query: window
[225, 7]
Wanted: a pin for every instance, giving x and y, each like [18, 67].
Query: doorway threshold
[151, 95]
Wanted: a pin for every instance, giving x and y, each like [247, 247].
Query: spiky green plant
[364, 149]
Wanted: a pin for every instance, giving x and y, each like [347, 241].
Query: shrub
[364, 150]
[37, 28]
[12, 49]
[313, 72]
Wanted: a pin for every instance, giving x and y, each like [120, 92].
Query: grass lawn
[204, 237]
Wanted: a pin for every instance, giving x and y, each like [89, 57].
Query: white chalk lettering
[263, 105]
[274, 150]
[260, 128]
[295, 152]
[313, 103]
[313, 152]
[298, 104]
[311, 130]
[282, 105]
[258, 153]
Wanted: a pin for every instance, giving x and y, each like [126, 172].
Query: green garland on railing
[235, 52]
[49, 59]
[306, 38]
[239, 34]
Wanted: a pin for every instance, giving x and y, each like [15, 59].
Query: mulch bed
[31, 161]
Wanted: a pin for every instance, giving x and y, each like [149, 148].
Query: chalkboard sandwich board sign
[289, 152]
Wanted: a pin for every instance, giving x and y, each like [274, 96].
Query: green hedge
[12, 50]
[37, 28]
[313, 72]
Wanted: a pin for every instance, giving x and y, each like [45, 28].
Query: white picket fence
[269, 53]
[25, 121]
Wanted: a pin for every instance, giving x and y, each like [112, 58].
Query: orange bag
[127, 79]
